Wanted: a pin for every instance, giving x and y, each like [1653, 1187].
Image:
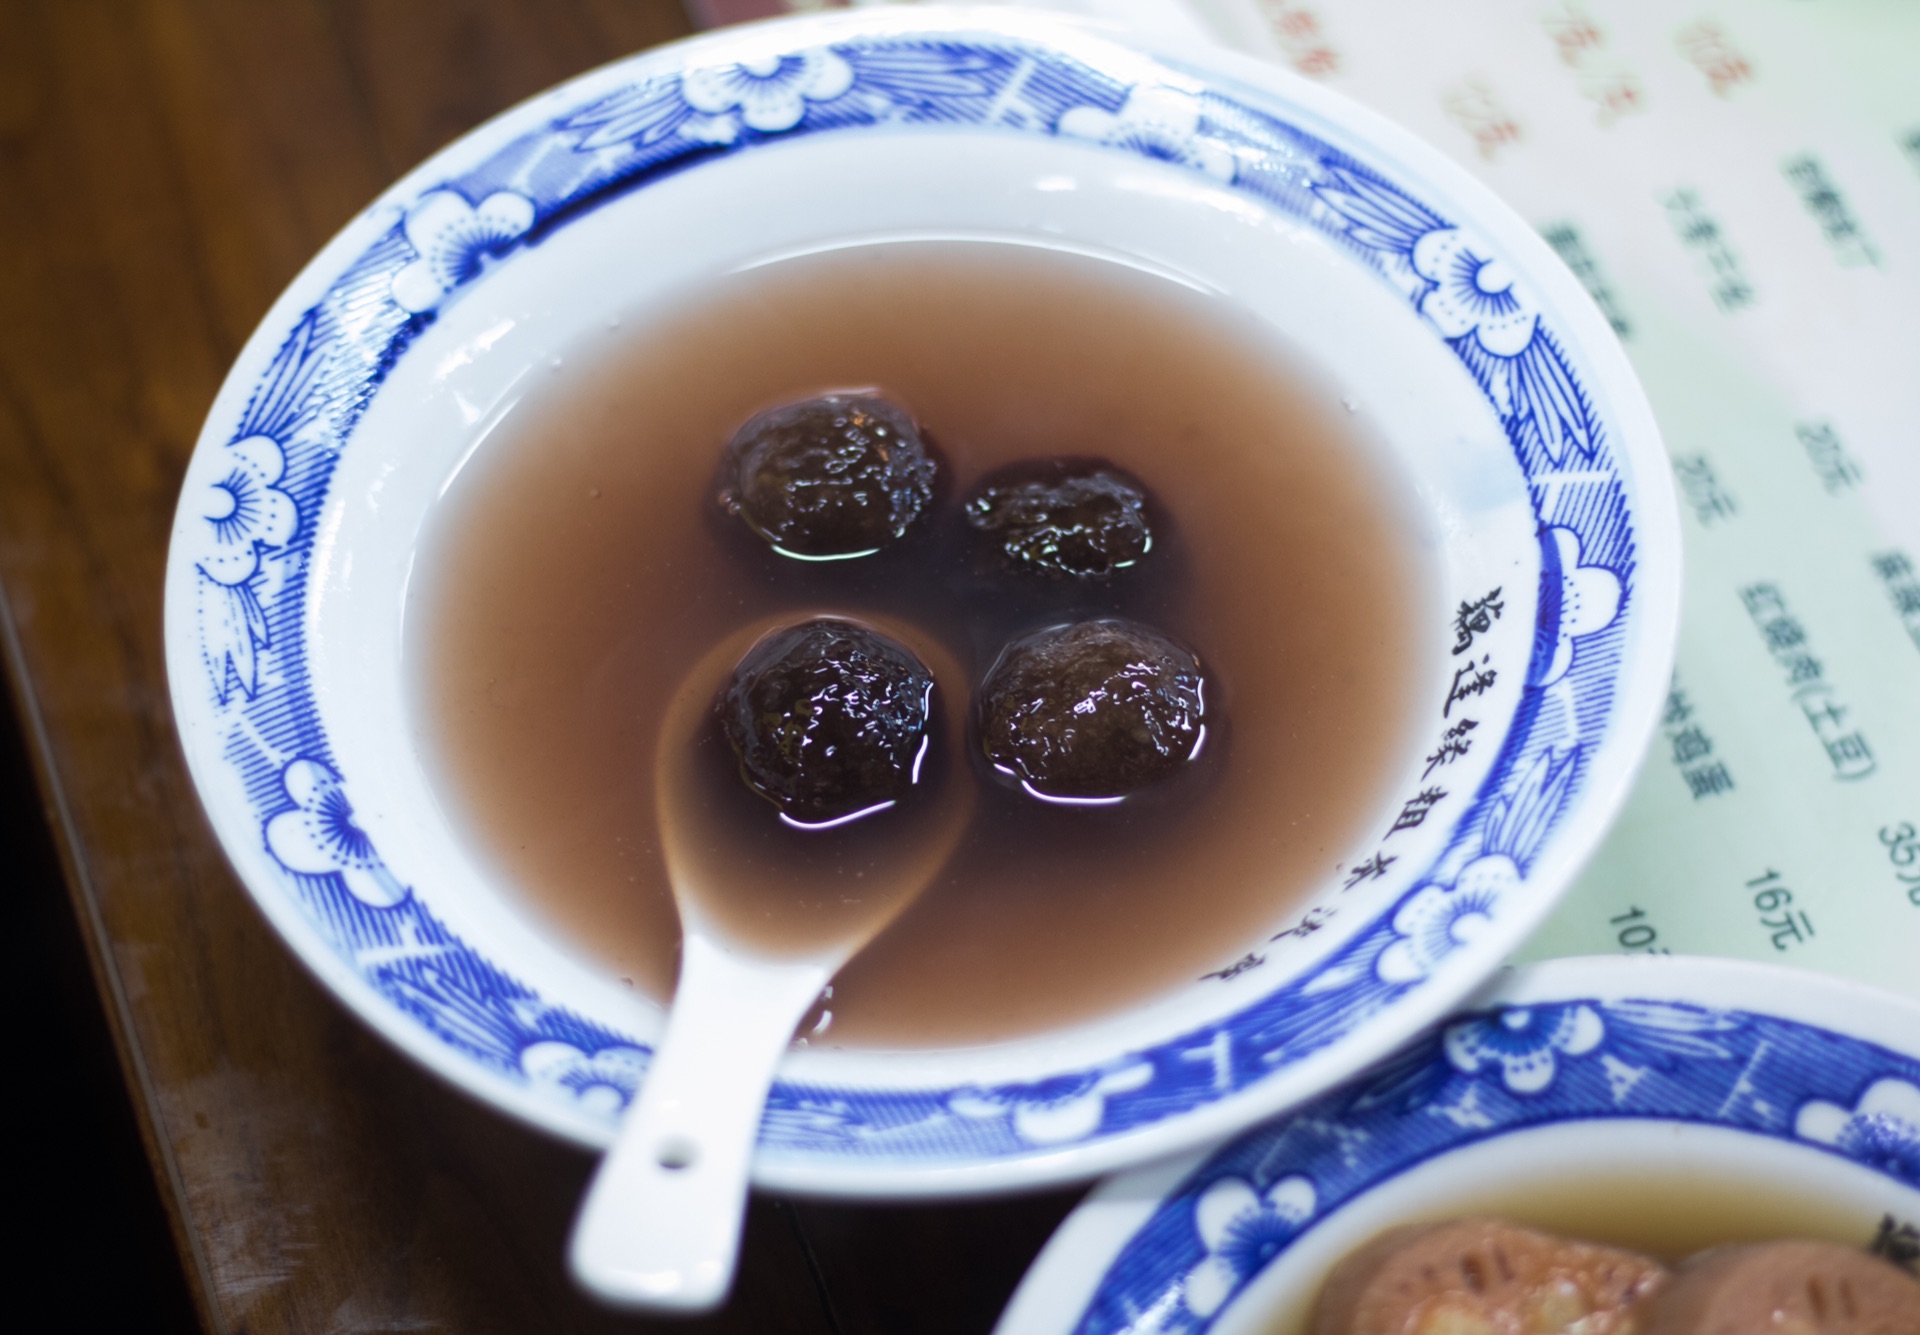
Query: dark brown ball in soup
[1062, 518]
[830, 478]
[1093, 711]
[828, 719]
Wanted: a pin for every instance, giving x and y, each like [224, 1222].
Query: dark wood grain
[82, 1148]
[167, 166]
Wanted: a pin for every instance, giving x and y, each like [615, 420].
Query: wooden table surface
[166, 167]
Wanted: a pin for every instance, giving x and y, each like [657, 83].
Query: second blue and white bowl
[1661, 1103]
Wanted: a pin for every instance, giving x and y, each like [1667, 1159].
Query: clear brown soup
[578, 566]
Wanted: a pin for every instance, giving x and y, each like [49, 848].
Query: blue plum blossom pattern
[248, 519]
[1524, 1043]
[1881, 1130]
[1438, 919]
[1472, 294]
[1161, 123]
[261, 494]
[603, 1081]
[769, 93]
[1585, 599]
[1242, 1230]
[1478, 306]
[247, 516]
[453, 239]
[246, 511]
[318, 836]
[1057, 1113]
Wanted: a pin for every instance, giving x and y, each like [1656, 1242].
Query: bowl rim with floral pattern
[1722, 1071]
[375, 374]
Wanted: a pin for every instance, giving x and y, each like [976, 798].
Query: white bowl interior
[465, 374]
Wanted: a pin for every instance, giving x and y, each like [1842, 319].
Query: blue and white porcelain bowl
[1478, 360]
[1664, 1097]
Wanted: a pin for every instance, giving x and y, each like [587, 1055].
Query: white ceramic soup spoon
[768, 915]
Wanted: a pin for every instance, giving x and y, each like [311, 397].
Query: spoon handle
[660, 1227]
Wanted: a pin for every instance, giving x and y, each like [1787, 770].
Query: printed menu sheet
[1738, 188]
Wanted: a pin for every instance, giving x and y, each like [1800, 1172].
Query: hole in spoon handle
[677, 1153]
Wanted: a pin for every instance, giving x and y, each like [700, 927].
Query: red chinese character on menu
[1299, 31]
[1582, 43]
[1711, 51]
[1293, 21]
[1317, 61]
[1473, 108]
[1618, 94]
[1574, 32]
